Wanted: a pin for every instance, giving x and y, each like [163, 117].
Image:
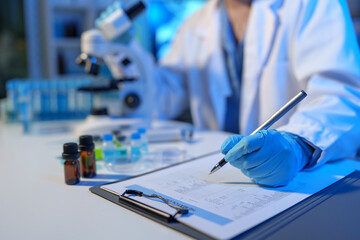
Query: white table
[35, 203]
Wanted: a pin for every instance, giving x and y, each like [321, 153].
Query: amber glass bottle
[71, 164]
[87, 156]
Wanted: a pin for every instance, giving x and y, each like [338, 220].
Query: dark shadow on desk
[112, 176]
[331, 213]
[297, 185]
[91, 182]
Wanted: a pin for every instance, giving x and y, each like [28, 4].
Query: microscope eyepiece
[135, 10]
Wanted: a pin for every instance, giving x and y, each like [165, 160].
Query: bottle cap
[135, 136]
[121, 138]
[142, 130]
[108, 137]
[70, 151]
[97, 138]
[116, 132]
[86, 143]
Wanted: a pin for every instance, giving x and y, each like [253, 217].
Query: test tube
[53, 99]
[25, 106]
[71, 90]
[135, 147]
[36, 99]
[62, 100]
[12, 99]
[45, 100]
[108, 149]
[144, 139]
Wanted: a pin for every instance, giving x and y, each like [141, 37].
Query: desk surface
[36, 203]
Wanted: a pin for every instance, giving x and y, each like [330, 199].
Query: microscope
[129, 81]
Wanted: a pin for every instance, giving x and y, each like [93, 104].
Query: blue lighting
[165, 17]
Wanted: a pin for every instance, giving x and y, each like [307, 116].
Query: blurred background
[40, 40]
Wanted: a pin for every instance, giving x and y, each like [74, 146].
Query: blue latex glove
[269, 157]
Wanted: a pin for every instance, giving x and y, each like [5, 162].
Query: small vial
[71, 165]
[121, 149]
[144, 139]
[108, 150]
[87, 156]
[135, 147]
[121, 141]
[115, 134]
[98, 149]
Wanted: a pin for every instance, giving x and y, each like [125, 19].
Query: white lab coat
[290, 45]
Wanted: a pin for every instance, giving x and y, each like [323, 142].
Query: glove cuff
[306, 151]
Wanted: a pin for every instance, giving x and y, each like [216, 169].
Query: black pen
[276, 116]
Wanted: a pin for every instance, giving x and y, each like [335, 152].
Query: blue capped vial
[135, 147]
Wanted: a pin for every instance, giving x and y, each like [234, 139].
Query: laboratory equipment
[25, 107]
[71, 165]
[101, 124]
[12, 99]
[118, 159]
[47, 99]
[128, 80]
[121, 141]
[170, 134]
[144, 139]
[98, 148]
[108, 149]
[155, 157]
[87, 156]
[135, 147]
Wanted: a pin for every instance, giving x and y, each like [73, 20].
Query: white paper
[225, 203]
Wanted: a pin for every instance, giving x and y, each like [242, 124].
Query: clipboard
[306, 219]
[153, 214]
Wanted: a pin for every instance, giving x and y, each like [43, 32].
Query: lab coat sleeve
[167, 82]
[324, 54]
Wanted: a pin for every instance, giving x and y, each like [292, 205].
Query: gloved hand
[269, 157]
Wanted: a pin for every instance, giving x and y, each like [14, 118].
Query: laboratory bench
[36, 203]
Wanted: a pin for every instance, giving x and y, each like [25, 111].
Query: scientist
[236, 62]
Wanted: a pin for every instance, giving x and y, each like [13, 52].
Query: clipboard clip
[144, 207]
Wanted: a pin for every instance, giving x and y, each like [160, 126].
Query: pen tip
[213, 170]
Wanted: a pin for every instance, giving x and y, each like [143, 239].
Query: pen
[276, 116]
